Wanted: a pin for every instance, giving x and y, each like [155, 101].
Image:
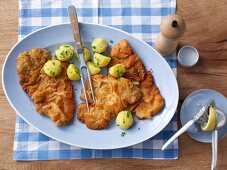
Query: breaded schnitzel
[112, 96]
[152, 102]
[122, 53]
[53, 97]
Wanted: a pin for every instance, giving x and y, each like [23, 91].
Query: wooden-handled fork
[76, 34]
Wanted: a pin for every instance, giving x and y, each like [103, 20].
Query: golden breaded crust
[135, 92]
[122, 53]
[112, 96]
[97, 118]
[53, 97]
[121, 50]
[152, 102]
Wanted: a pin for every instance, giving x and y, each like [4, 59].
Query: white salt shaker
[172, 28]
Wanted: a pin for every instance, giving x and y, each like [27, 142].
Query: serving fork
[77, 38]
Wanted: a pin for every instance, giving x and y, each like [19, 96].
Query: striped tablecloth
[139, 18]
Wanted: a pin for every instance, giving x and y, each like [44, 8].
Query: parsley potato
[99, 45]
[86, 53]
[73, 72]
[124, 120]
[64, 52]
[100, 60]
[52, 68]
[92, 68]
[117, 70]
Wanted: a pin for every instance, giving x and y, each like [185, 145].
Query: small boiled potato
[73, 72]
[92, 68]
[101, 60]
[86, 53]
[117, 70]
[64, 52]
[99, 45]
[124, 120]
[52, 68]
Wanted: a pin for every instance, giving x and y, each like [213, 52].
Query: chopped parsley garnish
[111, 41]
[52, 72]
[97, 59]
[123, 134]
[62, 54]
[94, 47]
[128, 114]
[66, 46]
[97, 63]
[120, 73]
[53, 63]
[123, 121]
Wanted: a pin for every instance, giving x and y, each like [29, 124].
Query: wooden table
[206, 30]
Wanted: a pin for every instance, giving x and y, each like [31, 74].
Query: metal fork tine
[83, 85]
[91, 87]
[76, 34]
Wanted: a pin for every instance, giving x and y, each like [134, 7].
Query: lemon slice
[211, 123]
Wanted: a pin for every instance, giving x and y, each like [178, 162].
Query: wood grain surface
[206, 30]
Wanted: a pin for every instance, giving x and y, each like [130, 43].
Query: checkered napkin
[139, 18]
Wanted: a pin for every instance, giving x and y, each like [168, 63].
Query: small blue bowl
[192, 105]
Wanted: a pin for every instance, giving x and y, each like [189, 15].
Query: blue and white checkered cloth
[142, 20]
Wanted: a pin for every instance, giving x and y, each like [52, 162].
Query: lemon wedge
[211, 123]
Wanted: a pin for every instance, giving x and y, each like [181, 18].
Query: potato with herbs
[117, 70]
[73, 72]
[100, 60]
[99, 45]
[124, 120]
[64, 52]
[92, 68]
[52, 68]
[86, 53]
